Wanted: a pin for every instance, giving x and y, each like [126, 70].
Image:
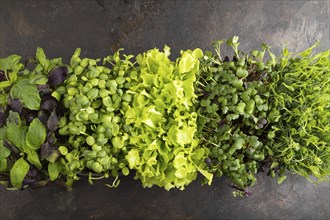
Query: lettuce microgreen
[163, 148]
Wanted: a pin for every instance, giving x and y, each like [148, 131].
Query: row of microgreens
[166, 121]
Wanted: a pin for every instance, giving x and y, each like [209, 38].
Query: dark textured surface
[100, 27]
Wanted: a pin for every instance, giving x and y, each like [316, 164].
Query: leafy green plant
[163, 148]
[233, 112]
[28, 116]
[165, 121]
[300, 94]
[96, 97]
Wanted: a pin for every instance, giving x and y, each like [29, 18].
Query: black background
[101, 27]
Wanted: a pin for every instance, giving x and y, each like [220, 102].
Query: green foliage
[26, 92]
[163, 148]
[163, 120]
[96, 97]
[36, 135]
[232, 112]
[27, 137]
[18, 172]
[300, 95]
[9, 68]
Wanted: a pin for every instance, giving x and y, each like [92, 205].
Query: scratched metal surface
[100, 27]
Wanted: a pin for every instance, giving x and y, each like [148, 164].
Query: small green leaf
[281, 179]
[241, 73]
[18, 172]
[185, 135]
[33, 158]
[63, 150]
[315, 171]
[26, 92]
[207, 175]
[181, 173]
[9, 62]
[38, 79]
[254, 141]
[187, 63]
[3, 165]
[117, 142]
[4, 84]
[13, 117]
[240, 107]
[4, 152]
[16, 135]
[239, 143]
[205, 103]
[36, 134]
[274, 165]
[41, 57]
[198, 53]
[54, 169]
[132, 158]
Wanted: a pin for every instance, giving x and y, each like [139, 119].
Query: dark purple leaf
[52, 122]
[2, 118]
[2, 76]
[48, 103]
[51, 139]
[49, 152]
[260, 126]
[43, 117]
[54, 154]
[29, 115]
[208, 161]
[44, 89]
[226, 59]
[61, 110]
[45, 150]
[4, 176]
[57, 76]
[32, 172]
[30, 63]
[28, 181]
[39, 184]
[247, 194]
[16, 105]
[262, 121]
[11, 147]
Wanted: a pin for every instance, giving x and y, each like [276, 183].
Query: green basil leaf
[33, 158]
[41, 57]
[39, 79]
[9, 62]
[16, 135]
[13, 75]
[54, 169]
[13, 117]
[26, 92]
[53, 63]
[4, 152]
[3, 132]
[36, 134]
[3, 165]
[18, 172]
[4, 84]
